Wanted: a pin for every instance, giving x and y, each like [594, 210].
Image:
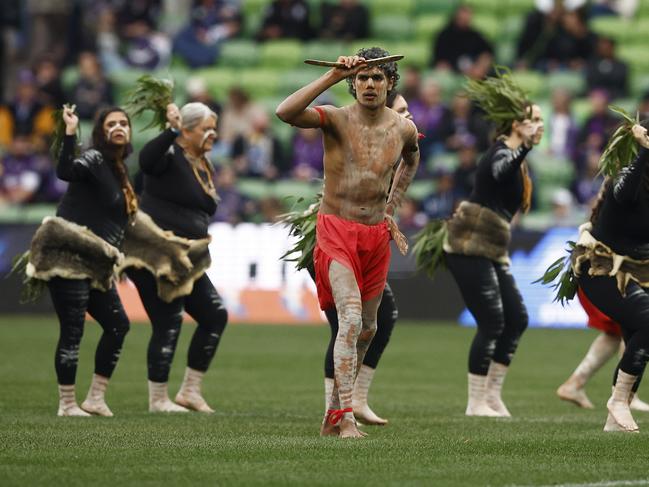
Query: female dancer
[611, 263]
[76, 252]
[478, 235]
[179, 197]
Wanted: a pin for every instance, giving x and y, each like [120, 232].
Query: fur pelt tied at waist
[605, 262]
[478, 231]
[176, 262]
[61, 248]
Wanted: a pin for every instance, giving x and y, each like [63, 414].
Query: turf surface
[266, 384]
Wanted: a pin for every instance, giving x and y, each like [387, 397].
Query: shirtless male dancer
[363, 142]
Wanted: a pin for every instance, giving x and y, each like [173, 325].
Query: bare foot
[620, 415]
[349, 429]
[366, 416]
[328, 429]
[570, 392]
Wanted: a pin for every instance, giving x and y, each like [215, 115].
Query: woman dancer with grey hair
[179, 197]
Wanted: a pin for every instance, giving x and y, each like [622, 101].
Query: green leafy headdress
[152, 94]
[622, 148]
[502, 100]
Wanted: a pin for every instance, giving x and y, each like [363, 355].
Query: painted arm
[295, 109]
[70, 168]
[507, 162]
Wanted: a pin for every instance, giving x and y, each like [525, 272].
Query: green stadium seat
[69, 77]
[324, 50]
[581, 110]
[426, 26]
[290, 81]
[420, 188]
[384, 7]
[254, 188]
[615, 27]
[571, 81]
[511, 28]
[219, 80]
[281, 54]
[434, 6]
[506, 52]
[551, 171]
[489, 25]
[639, 84]
[534, 83]
[259, 82]
[489, 7]
[416, 53]
[392, 27]
[295, 189]
[448, 80]
[239, 53]
[251, 24]
[518, 7]
[636, 56]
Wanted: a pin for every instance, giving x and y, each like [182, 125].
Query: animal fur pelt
[176, 262]
[605, 262]
[64, 249]
[479, 231]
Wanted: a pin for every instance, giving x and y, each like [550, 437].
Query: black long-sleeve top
[623, 219]
[172, 195]
[94, 197]
[498, 180]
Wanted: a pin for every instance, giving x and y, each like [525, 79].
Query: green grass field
[266, 384]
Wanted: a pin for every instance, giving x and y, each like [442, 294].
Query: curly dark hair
[390, 69]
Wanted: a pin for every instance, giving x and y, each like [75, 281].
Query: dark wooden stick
[369, 63]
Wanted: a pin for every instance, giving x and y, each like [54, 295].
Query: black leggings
[72, 298]
[203, 304]
[386, 318]
[630, 311]
[490, 293]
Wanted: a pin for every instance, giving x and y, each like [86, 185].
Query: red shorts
[597, 319]
[363, 249]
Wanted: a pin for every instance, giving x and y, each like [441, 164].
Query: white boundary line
[606, 483]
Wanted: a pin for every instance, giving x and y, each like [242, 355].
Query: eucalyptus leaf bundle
[561, 272]
[622, 147]
[59, 133]
[32, 288]
[429, 247]
[152, 94]
[502, 100]
[302, 225]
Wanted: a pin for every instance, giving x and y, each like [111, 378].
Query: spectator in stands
[563, 209]
[233, 206]
[441, 203]
[464, 174]
[308, 154]
[258, 154]
[561, 127]
[410, 84]
[459, 46]
[133, 44]
[48, 80]
[428, 112]
[92, 91]
[410, 218]
[587, 183]
[623, 8]
[464, 125]
[212, 23]
[197, 92]
[572, 43]
[286, 19]
[22, 171]
[26, 115]
[643, 106]
[238, 113]
[345, 20]
[606, 71]
[48, 21]
[596, 130]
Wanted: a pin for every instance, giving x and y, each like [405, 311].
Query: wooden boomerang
[369, 63]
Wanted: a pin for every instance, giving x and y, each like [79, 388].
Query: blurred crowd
[40, 38]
